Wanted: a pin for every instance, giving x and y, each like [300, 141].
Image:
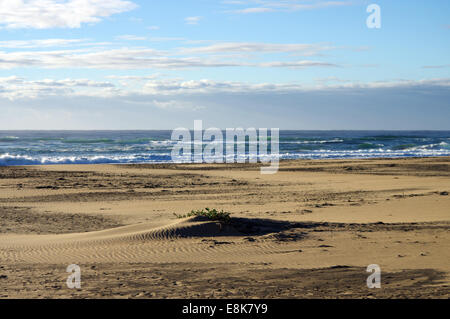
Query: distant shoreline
[248, 165]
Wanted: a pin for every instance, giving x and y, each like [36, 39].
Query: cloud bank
[14, 87]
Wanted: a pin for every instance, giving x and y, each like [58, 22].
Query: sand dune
[193, 239]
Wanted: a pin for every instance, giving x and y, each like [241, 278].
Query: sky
[288, 64]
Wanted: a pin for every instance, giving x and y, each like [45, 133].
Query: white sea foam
[10, 159]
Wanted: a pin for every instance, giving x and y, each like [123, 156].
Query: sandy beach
[309, 231]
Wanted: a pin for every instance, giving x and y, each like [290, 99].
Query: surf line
[192, 309]
[208, 146]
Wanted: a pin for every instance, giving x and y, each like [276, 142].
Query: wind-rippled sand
[309, 231]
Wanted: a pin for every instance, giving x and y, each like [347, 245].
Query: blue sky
[292, 64]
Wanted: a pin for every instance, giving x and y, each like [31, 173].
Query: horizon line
[292, 130]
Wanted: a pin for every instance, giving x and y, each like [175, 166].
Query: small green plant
[212, 214]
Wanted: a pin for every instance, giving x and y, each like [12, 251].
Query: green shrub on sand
[212, 214]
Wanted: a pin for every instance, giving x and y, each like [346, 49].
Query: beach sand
[309, 231]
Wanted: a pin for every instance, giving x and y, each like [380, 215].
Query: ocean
[87, 147]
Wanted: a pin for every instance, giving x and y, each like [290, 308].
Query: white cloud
[255, 10]
[331, 79]
[192, 20]
[44, 14]
[165, 39]
[134, 77]
[106, 59]
[44, 43]
[14, 87]
[297, 64]
[262, 6]
[50, 43]
[175, 105]
[177, 86]
[304, 5]
[88, 54]
[130, 58]
[130, 37]
[131, 80]
[257, 47]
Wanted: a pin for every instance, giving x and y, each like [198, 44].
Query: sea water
[86, 147]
